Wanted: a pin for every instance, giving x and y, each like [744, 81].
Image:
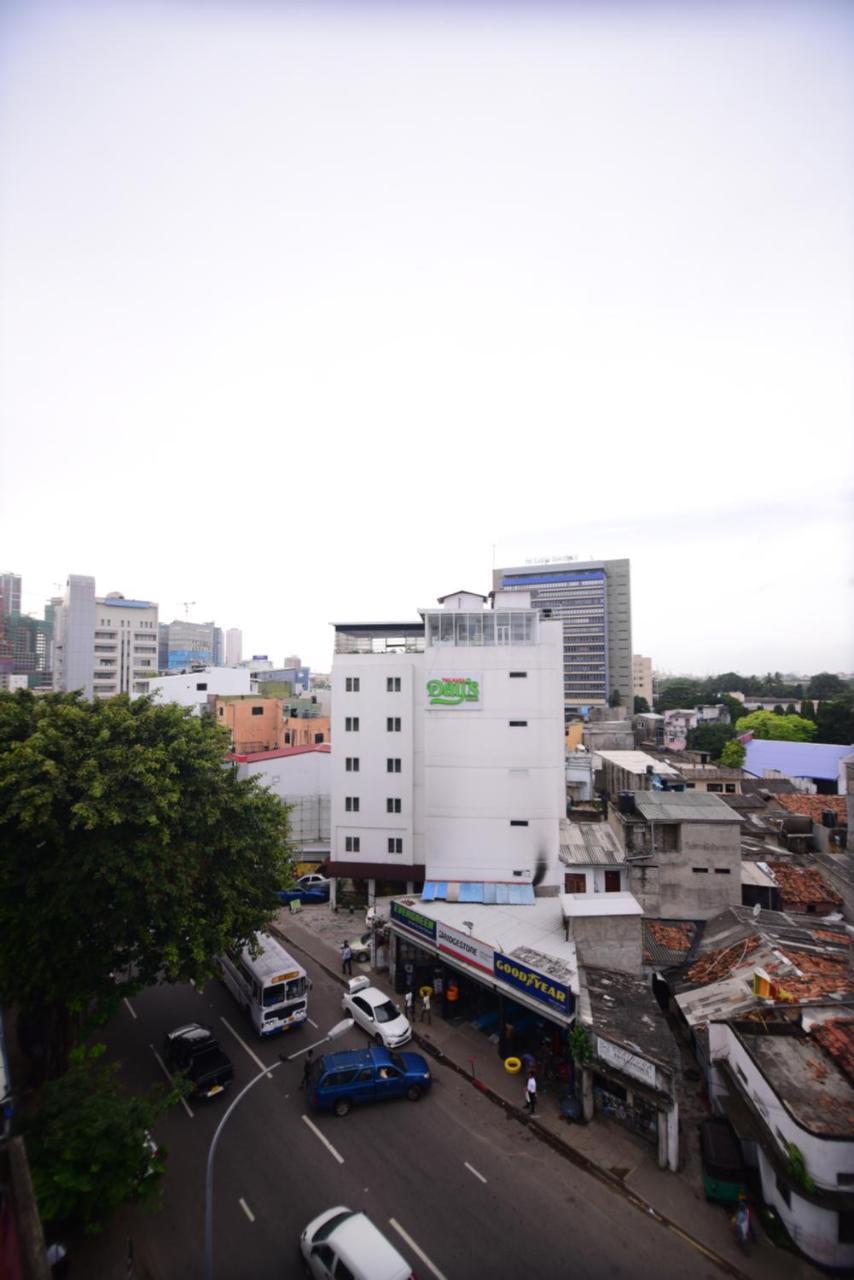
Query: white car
[375, 1013]
[341, 1242]
[313, 881]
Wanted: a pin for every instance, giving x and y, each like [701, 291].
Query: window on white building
[351, 724]
[392, 804]
[518, 724]
[518, 822]
[351, 684]
[352, 844]
[351, 804]
[351, 764]
[392, 724]
[392, 764]
[395, 844]
[392, 684]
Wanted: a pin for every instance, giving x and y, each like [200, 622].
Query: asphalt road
[460, 1189]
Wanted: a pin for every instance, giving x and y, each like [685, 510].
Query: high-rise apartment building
[10, 593]
[184, 644]
[233, 647]
[592, 601]
[642, 677]
[449, 754]
[103, 645]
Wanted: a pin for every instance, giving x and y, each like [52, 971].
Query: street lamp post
[341, 1028]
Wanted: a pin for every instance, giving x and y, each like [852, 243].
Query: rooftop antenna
[188, 604]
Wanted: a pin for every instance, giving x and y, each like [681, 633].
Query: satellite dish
[756, 909]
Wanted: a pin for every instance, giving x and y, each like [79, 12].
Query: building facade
[642, 678]
[233, 647]
[200, 688]
[103, 645]
[186, 644]
[592, 601]
[449, 756]
[10, 593]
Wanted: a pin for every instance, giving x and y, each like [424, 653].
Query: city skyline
[426, 291]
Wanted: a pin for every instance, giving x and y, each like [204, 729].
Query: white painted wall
[184, 689]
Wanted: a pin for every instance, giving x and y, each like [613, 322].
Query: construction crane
[188, 604]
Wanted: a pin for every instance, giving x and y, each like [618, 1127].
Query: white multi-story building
[198, 688]
[233, 647]
[103, 645]
[449, 754]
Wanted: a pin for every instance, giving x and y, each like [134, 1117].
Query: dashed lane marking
[245, 1207]
[324, 1140]
[184, 1103]
[472, 1169]
[415, 1249]
[131, 1009]
[252, 1054]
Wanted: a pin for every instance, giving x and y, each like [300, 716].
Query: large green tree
[826, 685]
[641, 706]
[87, 1143]
[835, 719]
[710, 737]
[129, 853]
[765, 724]
[680, 692]
[733, 754]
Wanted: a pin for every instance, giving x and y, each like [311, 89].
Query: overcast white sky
[308, 312]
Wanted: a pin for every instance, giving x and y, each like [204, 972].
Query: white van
[344, 1243]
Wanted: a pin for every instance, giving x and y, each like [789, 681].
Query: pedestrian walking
[346, 958]
[426, 1015]
[407, 1002]
[531, 1093]
[306, 1070]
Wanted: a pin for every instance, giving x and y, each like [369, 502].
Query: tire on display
[413, 1093]
[342, 1106]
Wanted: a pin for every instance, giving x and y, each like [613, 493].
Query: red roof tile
[253, 756]
[836, 1037]
[814, 806]
[800, 886]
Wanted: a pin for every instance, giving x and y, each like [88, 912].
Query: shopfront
[523, 1002]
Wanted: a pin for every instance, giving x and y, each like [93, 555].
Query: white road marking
[242, 1042]
[245, 1207]
[472, 1169]
[418, 1252]
[324, 1140]
[169, 1078]
[131, 1009]
[313, 1023]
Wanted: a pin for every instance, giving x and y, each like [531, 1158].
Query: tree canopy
[733, 754]
[87, 1143]
[641, 706]
[826, 685]
[710, 737]
[766, 724]
[835, 719]
[129, 853]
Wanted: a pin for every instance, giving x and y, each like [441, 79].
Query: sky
[314, 313]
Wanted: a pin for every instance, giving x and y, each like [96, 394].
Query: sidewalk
[603, 1148]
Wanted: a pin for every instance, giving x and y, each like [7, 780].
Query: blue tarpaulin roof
[514, 895]
[797, 759]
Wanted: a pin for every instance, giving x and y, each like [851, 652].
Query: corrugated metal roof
[589, 844]
[515, 895]
[797, 759]
[638, 762]
[683, 806]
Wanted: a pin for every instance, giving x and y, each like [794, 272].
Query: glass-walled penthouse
[379, 637]
[485, 627]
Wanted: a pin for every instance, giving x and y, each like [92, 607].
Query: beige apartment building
[642, 677]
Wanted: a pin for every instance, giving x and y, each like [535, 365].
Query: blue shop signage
[539, 985]
[413, 921]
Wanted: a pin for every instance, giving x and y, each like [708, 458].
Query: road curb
[553, 1140]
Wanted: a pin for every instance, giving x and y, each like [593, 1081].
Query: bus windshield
[279, 992]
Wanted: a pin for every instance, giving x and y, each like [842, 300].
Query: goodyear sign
[538, 985]
[413, 921]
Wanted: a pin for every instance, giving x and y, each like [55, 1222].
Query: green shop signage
[413, 921]
[453, 691]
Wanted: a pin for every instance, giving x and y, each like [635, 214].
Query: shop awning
[488, 892]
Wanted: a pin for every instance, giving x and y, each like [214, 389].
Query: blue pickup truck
[340, 1081]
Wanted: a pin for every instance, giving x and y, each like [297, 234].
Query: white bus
[271, 988]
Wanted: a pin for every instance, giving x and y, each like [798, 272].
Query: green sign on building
[450, 691]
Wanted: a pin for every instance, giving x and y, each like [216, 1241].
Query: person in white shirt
[531, 1093]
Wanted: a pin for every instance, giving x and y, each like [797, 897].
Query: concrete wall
[196, 688]
[704, 877]
[608, 942]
